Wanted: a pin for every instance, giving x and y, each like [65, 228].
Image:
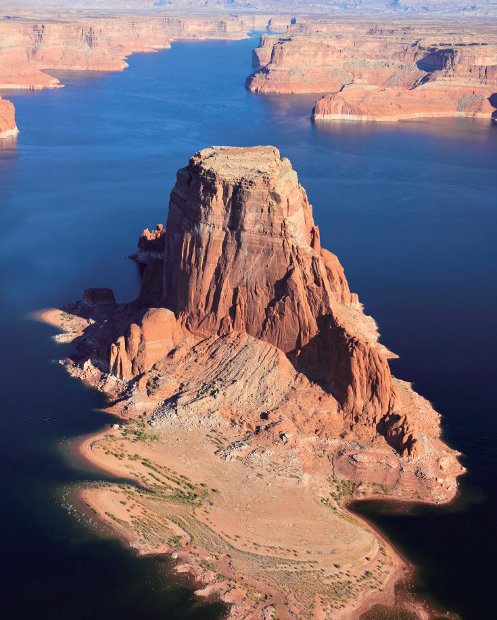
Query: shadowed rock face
[242, 254]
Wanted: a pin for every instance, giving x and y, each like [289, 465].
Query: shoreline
[403, 569]
[30, 76]
[418, 606]
[182, 561]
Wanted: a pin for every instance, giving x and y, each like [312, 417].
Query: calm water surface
[411, 209]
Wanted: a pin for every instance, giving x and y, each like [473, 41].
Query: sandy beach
[227, 525]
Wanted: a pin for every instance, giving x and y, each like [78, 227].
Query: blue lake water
[410, 209]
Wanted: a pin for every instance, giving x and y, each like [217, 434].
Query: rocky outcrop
[8, 127]
[244, 318]
[144, 343]
[98, 296]
[242, 254]
[431, 100]
[387, 74]
[150, 245]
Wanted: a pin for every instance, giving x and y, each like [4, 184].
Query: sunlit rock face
[389, 73]
[8, 127]
[242, 254]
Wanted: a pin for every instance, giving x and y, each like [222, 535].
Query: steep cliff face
[431, 100]
[242, 254]
[390, 73]
[324, 57]
[8, 127]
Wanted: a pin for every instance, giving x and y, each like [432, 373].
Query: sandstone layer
[393, 72]
[8, 127]
[257, 400]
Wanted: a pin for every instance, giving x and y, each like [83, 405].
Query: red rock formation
[150, 256]
[431, 100]
[150, 245]
[392, 73]
[145, 342]
[242, 254]
[242, 311]
[8, 127]
[322, 58]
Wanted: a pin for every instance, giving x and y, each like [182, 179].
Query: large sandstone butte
[241, 255]
[388, 73]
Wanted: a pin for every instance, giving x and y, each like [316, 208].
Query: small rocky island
[255, 399]
[8, 127]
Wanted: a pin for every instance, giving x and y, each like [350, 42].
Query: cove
[411, 211]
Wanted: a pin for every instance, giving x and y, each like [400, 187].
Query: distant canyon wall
[389, 73]
[28, 48]
[399, 70]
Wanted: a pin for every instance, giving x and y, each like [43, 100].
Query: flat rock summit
[244, 323]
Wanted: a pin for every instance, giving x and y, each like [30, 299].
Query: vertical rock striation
[242, 254]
